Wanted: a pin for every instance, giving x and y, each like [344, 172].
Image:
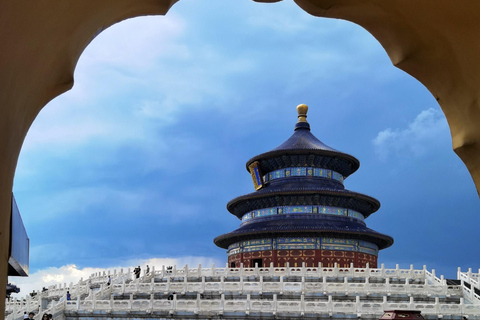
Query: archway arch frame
[434, 41]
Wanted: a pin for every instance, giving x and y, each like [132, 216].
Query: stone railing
[473, 280]
[251, 306]
[470, 277]
[16, 307]
[57, 294]
[116, 276]
[241, 286]
[319, 271]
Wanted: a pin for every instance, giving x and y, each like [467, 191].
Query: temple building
[300, 211]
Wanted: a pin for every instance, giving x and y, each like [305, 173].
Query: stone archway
[43, 40]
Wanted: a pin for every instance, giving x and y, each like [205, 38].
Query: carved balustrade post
[241, 284]
[437, 305]
[222, 302]
[411, 303]
[384, 303]
[185, 284]
[261, 284]
[303, 284]
[302, 304]
[197, 303]
[330, 304]
[281, 285]
[357, 305]
[222, 288]
[426, 287]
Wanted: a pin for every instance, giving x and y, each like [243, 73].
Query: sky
[137, 162]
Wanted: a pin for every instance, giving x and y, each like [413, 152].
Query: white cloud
[135, 72]
[427, 130]
[72, 274]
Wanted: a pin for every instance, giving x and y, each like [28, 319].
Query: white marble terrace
[238, 293]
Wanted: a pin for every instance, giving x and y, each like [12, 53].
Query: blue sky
[139, 159]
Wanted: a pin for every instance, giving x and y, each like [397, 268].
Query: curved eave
[227, 239]
[303, 142]
[265, 193]
[302, 227]
[354, 163]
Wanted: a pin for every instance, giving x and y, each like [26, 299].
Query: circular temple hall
[300, 211]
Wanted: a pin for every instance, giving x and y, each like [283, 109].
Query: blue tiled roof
[303, 142]
[302, 225]
[317, 191]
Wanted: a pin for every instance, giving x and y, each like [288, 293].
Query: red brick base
[296, 257]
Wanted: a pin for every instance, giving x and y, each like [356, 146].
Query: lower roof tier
[311, 225]
[303, 191]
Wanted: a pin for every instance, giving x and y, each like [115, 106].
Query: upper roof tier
[304, 149]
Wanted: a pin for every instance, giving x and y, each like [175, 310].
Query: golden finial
[302, 110]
